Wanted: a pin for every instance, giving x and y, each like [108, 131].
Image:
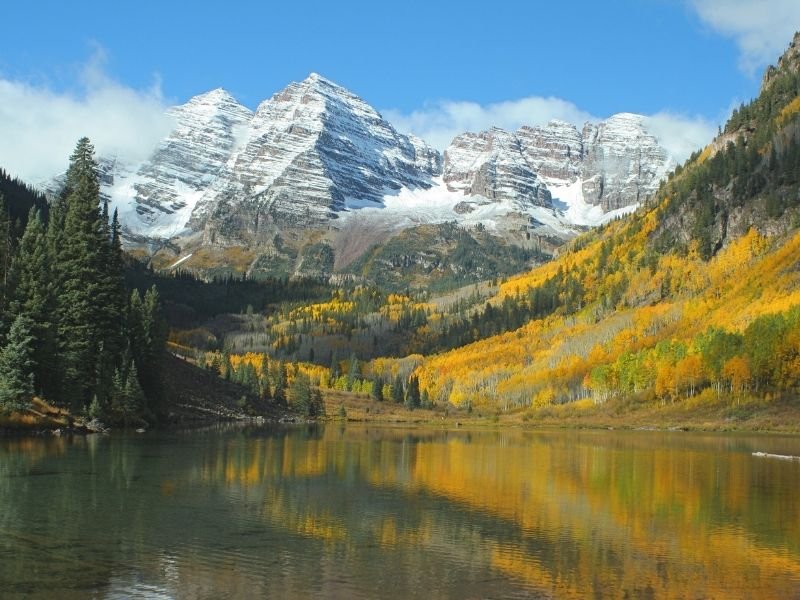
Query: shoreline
[778, 416]
[754, 416]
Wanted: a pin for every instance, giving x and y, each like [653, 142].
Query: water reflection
[375, 512]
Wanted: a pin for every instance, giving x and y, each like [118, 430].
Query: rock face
[314, 151]
[789, 61]
[623, 163]
[167, 188]
[617, 161]
[302, 156]
[493, 164]
[555, 151]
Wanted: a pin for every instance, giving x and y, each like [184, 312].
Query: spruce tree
[279, 381]
[79, 278]
[377, 388]
[412, 393]
[17, 366]
[398, 394]
[352, 372]
[6, 255]
[317, 403]
[110, 301]
[300, 394]
[33, 297]
[134, 396]
[151, 357]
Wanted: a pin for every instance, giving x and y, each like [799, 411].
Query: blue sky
[434, 68]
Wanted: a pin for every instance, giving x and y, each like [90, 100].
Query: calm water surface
[362, 512]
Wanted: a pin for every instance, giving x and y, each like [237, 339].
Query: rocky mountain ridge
[314, 152]
[316, 176]
[617, 162]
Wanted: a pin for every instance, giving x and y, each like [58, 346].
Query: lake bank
[213, 400]
[779, 416]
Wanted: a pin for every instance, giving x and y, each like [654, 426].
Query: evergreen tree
[6, 254]
[317, 404]
[134, 396]
[335, 369]
[264, 391]
[377, 388]
[425, 400]
[227, 368]
[352, 372]
[300, 394]
[412, 393]
[398, 394]
[249, 377]
[110, 301]
[17, 366]
[79, 275]
[279, 382]
[117, 400]
[33, 297]
[151, 358]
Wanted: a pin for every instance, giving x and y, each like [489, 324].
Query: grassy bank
[777, 415]
[41, 416]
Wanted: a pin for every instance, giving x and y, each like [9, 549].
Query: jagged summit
[617, 162]
[304, 154]
[217, 95]
[789, 61]
[492, 164]
[315, 151]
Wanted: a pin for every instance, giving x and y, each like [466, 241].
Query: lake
[378, 512]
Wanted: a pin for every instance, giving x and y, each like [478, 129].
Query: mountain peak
[315, 80]
[216, 96]
[560, 123]
[314, 77]
[788, 62]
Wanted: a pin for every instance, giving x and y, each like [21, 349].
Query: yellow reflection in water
[608, 514]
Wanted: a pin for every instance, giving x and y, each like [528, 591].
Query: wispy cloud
[680, 135]
[439, 122]
[39, 126]
[762, 29]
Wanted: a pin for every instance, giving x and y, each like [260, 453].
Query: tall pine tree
[6, 255]
[33, 298]
[16, 366]
[79, 266]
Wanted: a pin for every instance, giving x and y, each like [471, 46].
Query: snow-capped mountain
[492, 164]
[303, 155]
[590, 174]
[623, 162]
[158, 198]
[315, 161]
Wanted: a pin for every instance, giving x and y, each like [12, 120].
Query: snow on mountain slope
[296, 158]
[492, 165]
[617, 161]
[568, 200]
[315, 153]
[157, 198]
[439, 204]
[623, 162]
[314, 144]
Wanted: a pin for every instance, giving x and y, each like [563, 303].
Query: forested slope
[695, 294]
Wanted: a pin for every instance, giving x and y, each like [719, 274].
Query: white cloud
[680, 135]
[762, 29]
[39, 127]
[438, 123]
